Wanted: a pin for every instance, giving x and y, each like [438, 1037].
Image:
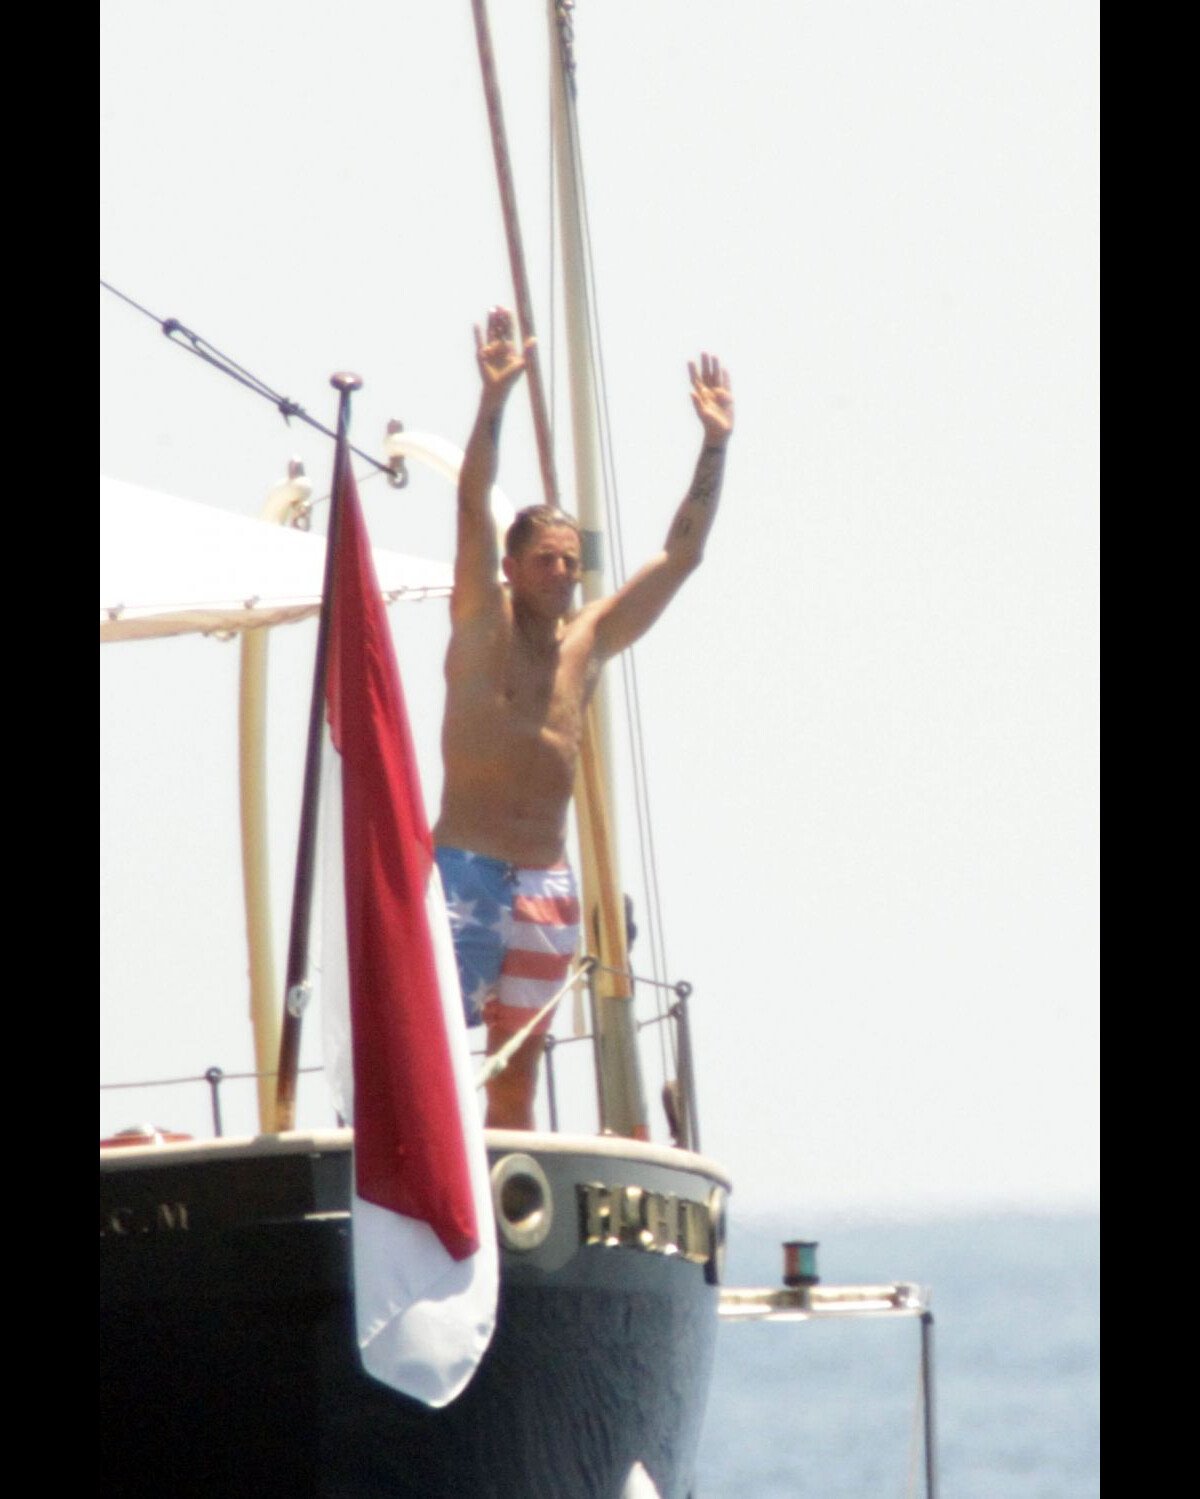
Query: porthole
[523, 1201]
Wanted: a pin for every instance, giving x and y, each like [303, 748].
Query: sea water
[832, 1409]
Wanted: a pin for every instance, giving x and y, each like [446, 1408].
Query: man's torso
[511, 736]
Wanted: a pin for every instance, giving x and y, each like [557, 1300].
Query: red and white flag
[425, 1258]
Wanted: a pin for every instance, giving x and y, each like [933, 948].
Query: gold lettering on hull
[658, 1222]
[128, 1223]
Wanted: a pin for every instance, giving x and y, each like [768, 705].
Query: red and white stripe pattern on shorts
[540, 939]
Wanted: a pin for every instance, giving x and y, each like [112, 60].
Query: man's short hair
[535, 518]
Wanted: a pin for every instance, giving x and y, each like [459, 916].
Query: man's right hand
[500, 365]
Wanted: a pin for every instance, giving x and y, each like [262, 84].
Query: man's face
[543, 576]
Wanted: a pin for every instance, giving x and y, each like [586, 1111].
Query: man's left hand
[713, 399]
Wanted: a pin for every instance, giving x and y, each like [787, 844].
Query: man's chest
[544, 690]
[528, 688]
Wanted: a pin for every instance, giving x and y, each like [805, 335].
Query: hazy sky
[871, 717]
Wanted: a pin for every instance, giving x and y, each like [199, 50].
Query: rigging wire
[629, 661]
[193, 343]
[609, 481]
[359, 480]
[628, 672]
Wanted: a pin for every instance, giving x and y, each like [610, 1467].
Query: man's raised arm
[631, 611]
[477, 559]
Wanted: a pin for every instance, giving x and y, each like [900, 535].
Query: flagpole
[298, 988]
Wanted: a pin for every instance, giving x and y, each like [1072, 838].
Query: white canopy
[170, 567]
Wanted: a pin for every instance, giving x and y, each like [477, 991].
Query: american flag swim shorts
[515, 932]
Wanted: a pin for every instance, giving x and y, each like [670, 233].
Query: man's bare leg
[510, 1093]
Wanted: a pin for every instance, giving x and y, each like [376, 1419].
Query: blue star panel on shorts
[478, 902]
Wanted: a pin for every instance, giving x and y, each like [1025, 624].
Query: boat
[230, 1365]
[228, 1353]
[229, 1361]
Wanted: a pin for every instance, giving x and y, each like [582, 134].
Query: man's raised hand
[500, 365]
[712, 398]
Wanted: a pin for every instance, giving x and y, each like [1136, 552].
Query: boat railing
[678, 1092]
[213, 1077]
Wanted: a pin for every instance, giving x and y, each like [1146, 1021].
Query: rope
[202, 349]
[499, 1060]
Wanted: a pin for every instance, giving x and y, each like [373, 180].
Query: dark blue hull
[229, 1363]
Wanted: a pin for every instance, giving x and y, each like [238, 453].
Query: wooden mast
[622, 1109]
[516, 253]
[622, 1104]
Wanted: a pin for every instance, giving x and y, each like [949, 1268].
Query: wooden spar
[252, 775]
[297, 984]
[252, 780]
[622, 1109]
[618, 1073]
[516, 253]
[622, 1104]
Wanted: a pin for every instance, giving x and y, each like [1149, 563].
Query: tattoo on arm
[706, 485]
[695, 515]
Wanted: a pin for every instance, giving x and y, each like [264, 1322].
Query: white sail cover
[172, 567]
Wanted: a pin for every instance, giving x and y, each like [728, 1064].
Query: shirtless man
[520, 670]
